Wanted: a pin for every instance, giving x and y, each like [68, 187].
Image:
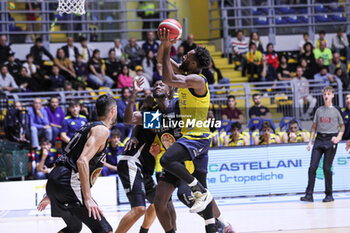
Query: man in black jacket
[4, 49]
[38, 50]
[70, 50]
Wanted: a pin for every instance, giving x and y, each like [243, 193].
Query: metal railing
[104, 20]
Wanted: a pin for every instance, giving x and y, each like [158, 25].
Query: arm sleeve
[45, 117]
[47, 53]
[13, 83]
[64, 126]
[32, 117]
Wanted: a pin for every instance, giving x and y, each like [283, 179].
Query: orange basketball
[174, 26]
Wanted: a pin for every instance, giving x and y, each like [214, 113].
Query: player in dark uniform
[69, 183]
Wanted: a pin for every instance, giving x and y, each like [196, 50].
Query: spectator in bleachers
[65, 65]
[7, 82]
[321, 37]
[97, 76]
[122, 103]
[141, 74]
[284, 71]
[305, 40]
[271, 56]
[267, 137]
[113, 66]
[55, 115]
[308, 72]
[346, 115]
[337, 64]
[179, 57]
[26, 81]
[294, 133]
[57, 80]
[135, 53]
[158, 73]
[85, 50]
[343, 77]
[240, 48]
[71, 123]
[236, 138]
[254, 57]
[81, 69]
[231, 112]
[45, 159]
[308, 55]
[29, 65]
[258, 110]
[340, 44]
[124, 78]
[5, 50]
[255, 38]
[189, 44]
[70, 51]
[39, 122]
[214, 76]
[149, 63]
[324, 52]
[150, 44]
[68, 87]
[268, 72]
[17, 125]
[118, 50]
[38, 50]
[113, 150]
[13, 65]
[324, 77]
[302, 86]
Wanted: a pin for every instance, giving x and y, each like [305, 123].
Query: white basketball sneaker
[201, 201]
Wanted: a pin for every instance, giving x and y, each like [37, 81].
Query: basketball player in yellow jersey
[236, 138]
[194, 100]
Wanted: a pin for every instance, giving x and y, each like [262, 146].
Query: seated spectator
[68, 87]
[343, 77]
[140, 74]
[134, 52]
[232, 113]
[65, 65]
[254, 57]
[113, 67]
[346, 115]
[5, 49]
[268, 72]
[70, 51]
[71, 123]
[150, 44]
[179, 57]
[37, 51]
[158, 73]
[149, 64]
[97, 76]
[324, 52]
[324, 77]
[240, 49]
[26, 81]
[308, 55]
[337, 64]
[340, 44]
[271, 56]
[267, 137]
[321, 37]
[29, 65]
[284, 71]
[113, 150]
[118, 50]
[81, 69]
[236, 138]
[302, 86]
[294, 133]
[305, 40]
[57, 80]
[45, 159]
[85, 50]
[189, 44]
[124, 78]
[39, 122]
[7, 82]
[214, 76]
[55, 115]
[13, 65]
[122, 103]
[255, 39]
[258, 110]
[308, 71]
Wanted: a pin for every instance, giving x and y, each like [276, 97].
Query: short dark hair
[44, 139]
[124, 89]
[306, 44]
[94, 52]
[322, 32]
[116, 132]
[111, 50]
[29, 55]
[83, 39]
[202, 57]
[239, 31]
[305, 34]
[236, 125]
[293, 121]
[266, 124]
[104, 104]
[254, 95]
[54, 97]
[38, 39]
[73, 103]
[231, 97]
[268, 45]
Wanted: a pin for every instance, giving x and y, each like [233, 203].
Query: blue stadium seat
[254, 123]
[338, 18]
[303, 19]
[339, 9]
[321, 9]
[302, 10]
[285, 10]
[262, 21]
[256, 11]
[323, 18]
[226, 125]
[284, 123]
[293, 20]
[280, 20]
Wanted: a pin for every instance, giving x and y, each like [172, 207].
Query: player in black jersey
[69, 183]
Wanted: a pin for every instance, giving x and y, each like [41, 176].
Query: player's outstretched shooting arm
[177, 80]
[95, 143]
